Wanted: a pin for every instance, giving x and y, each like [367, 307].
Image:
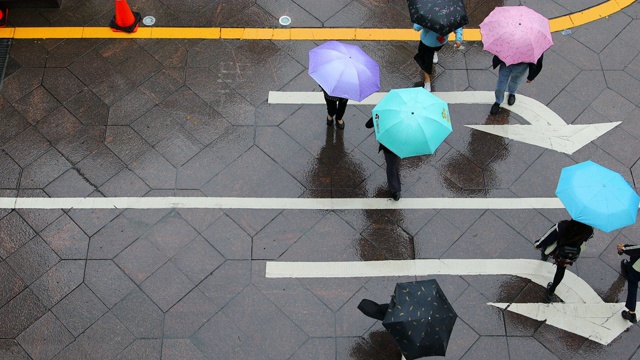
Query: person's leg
[518, 74]
[632, 293]
[332, 107]
[424, 58]
[632, 288]
[504, 73]
[340, 109]
[557, 278]
[393, 173]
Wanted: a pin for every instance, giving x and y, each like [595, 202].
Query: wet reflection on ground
[473, 170]
[384, 239]
[378, 345]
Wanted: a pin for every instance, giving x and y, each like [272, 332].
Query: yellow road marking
[557, 24]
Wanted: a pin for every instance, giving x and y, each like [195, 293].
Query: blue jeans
[509, 78]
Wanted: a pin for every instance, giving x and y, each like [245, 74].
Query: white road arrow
[546, 128]
[583, 311]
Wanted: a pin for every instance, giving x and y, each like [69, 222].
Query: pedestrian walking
[510, 77]
[631, 271]
[564, 242]
[430, 43]
[393, 167]
[336, 107]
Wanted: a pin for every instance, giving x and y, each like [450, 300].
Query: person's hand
[528, 81]
[457, 44]
[620, 247]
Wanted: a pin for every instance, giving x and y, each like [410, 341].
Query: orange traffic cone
[3, 16]
[125, 20]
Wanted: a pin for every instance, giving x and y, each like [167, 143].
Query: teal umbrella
[411, 122]
[597, 196]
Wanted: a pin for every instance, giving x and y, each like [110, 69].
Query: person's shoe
[339, 124]
[511, 99]
[435, 57]
[629, 316]
[623, 268]
[494, 108]
[549, 292]
[396, 196]
[543, 256]
[427, 86]
[329, 121]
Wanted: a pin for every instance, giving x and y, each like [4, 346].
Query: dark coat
[534, 69]
[634, 253]
[554, 235]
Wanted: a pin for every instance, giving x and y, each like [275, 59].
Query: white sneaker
[427, 86]
[435, 57]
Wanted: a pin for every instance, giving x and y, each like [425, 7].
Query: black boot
[549, 292]
[629, 316]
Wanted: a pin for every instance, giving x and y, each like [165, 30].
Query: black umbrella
[420, 319]
[440, 16]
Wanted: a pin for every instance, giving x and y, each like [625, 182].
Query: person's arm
[534, 69]
[458, 37]
[495, 61]
[548, 238]
[631, 250]
[369, 123]
[417, 27]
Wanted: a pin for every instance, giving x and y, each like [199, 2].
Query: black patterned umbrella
[420, 319]
[440, 16]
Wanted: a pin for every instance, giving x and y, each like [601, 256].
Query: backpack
[567, 254]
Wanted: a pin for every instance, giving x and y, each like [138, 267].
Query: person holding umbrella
[517, 37]
[419, 317]
[344, 72]
[393, 167]
[430, 43]
[564, 241]
[435, 19]
[631, 271]
[408, 122]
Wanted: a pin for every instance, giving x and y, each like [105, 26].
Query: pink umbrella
[516, 34]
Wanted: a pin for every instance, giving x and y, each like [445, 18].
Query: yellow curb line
[356, 34]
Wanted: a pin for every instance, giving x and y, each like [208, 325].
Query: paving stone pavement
[189, 117]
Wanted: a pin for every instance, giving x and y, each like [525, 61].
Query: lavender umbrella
[344, 70]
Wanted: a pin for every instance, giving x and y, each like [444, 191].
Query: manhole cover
[285, 20]
[149, 20]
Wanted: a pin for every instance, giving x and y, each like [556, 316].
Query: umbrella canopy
[516, 34]
[344, 70]
[411, 122]
[597, 196]
[440, 16]
[420, 319]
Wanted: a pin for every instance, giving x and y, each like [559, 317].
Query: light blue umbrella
[597, 196]
[411, 122]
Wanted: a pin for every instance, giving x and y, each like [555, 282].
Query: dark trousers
[424, 57]
[336, 108]
[632, 287]
[393, 171]
[557, 278]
